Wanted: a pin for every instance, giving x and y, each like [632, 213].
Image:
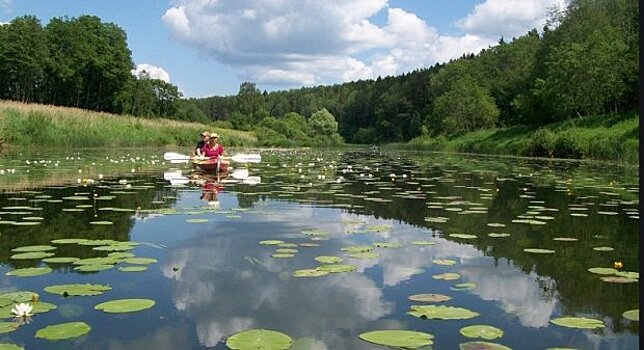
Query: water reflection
[213, 277]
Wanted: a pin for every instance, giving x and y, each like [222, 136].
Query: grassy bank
[613, 138]
[39, 125]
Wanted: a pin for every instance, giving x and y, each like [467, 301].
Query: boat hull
[211, 166]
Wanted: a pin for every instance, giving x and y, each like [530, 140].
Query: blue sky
[209, 47]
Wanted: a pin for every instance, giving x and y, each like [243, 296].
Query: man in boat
[198, 151]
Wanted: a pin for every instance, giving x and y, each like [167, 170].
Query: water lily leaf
[101, 222]
[97, 261]
[628, 274]
[98, 242]
[398, 338]
[286, 251]
[9, 346]
[387, 245]
[287, 245]
[364, 255]
[93, 268]
[498, 235]
[33, 248]
[120, 255]
[578, 322]
[42, 307]
[447, 262]
[60, 260]
[481, 345]
[632, 315]
[429, 297]
[481, 331]
[271, 242]
[462, 236]
[139, 261]
[604, 249]
[30, 271]
[31, 255]
[68, 240]
[357, 248]
[618, 279]
[132, 268]
[328, 259]
[423, 243]
[538, 250]
[447, 276]
[441, 312]
[259, 339]
[282, 255]
[337, 268]
[6, 327]
[309, 273]
[602, 270]
[63, 331]
[463, 286]
[86, 289]
[19, 296]
[565, 239]
[125, 305]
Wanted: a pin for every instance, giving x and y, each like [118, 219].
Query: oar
[239, 158]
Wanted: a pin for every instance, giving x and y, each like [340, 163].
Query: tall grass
[42, 125]
[613, 138]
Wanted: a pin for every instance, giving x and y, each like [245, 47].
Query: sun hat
[205, 133]
[214, 135]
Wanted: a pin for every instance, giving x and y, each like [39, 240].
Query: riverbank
[613, 138]
[23, 125]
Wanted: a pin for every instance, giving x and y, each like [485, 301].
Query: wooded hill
[584, 62]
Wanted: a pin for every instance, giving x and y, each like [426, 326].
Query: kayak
[213, 166]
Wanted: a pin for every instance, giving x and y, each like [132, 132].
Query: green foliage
[323, 123]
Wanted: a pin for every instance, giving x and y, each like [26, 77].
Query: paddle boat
[208, 165]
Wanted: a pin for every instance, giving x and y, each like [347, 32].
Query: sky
[210, 47]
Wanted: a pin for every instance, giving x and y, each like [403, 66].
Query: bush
[542, 143]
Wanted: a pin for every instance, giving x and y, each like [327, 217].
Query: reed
[45, 125]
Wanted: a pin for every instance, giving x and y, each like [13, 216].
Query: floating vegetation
[387, 245]
[30, 271]
[481, 331]
[282, 255]
[86, 289]
[538, 251]
[463, 286]
[632, 315]
[337, 268]
[604, 249]
[398, 338]
[481, 345]
[309, 273]
[357, 249]
[364, 255]
[139, 261]
[9, 346]
[261, 339]
[93, 268]
[271, 242]
[423, 243]
[125, 305]
[447, 276]
[6, 327]
[196, 221]
[327, 259]
[498, 235]
[103, 222]
[31, 255]
[69, 241]
[462, 236]
[603, 270]
[446, 262]
[618, 279]
[430, 298]
[62, 331]
[578, 322]
[132, 268]
[565, 239]
[441, 312]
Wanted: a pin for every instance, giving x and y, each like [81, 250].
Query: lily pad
[328, 259]
[463, 286]
[538, 251]
[618, 279]
[565, 239]
[132, 268]
[77, 289]
[30, 271]
[481, 331]
[33, 248]
[139, 261]
[101, 222]
[60, 260]
[632, 315]
[271, 242]
[357, 249]
[498, 235]
[69, 240]
[6, 327]
[337, 268]
[387, 245]
[423, 243]
[429, 297]
[125, 305]
[481, 345]
[259, 339]
[441, 312]
[282, 255]
[604, 249]
[602, 270]
[309, 273]
[31, 255]
[447, 262]
[63, 331]
[447, 276]
[9, 346]
[42, 307]
[462, 236]
[628, 274]
[364, 255]
[93, 268]
[398, 338]
[578, 322]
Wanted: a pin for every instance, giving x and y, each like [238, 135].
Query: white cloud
[310, 42]
[153, 71]
[508, 18]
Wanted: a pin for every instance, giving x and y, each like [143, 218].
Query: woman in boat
[213, 149]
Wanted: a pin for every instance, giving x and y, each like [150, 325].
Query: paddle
[239, 158]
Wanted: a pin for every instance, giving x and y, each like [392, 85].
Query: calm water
[213, 278]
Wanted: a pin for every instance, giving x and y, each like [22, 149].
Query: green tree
[323, 123]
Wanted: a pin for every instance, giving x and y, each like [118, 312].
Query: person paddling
[215, 151]
[198, 150]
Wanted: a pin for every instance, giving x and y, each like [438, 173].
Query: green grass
[613, 138]
[42, 126]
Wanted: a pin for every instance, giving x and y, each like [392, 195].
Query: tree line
[584, 62]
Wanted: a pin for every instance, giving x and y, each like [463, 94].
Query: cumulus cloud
[153, 71]
[309, 42]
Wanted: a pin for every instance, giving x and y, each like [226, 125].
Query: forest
[583, 63]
